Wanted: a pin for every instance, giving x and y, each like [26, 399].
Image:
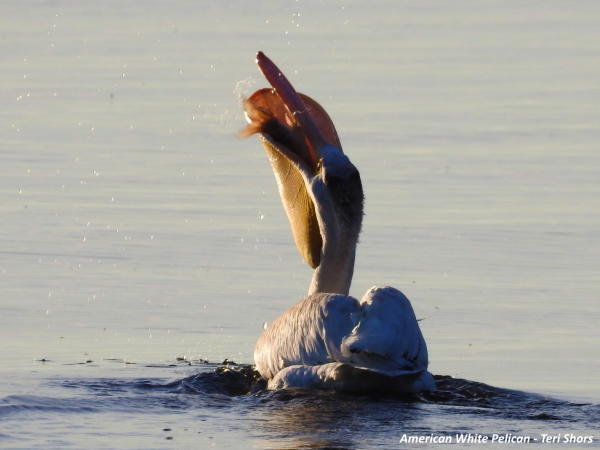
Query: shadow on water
[308, 418]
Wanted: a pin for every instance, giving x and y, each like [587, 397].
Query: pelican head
[319, 186]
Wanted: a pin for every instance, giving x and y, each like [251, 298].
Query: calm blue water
[139, 234]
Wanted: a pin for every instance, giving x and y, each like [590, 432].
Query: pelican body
[328, 340]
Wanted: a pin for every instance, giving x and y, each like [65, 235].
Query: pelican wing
[309, 333]
[387, 339]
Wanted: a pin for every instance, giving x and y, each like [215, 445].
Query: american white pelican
[328, 340]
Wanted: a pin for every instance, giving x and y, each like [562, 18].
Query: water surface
[136, 228]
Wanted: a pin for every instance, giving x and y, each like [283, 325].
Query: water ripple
[241, 386]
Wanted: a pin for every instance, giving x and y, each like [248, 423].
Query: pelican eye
[319, 167]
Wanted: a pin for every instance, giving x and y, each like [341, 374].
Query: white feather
[309, 333]
[388, 339]
[334, 341]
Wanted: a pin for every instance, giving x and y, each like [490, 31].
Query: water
[136, 229]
